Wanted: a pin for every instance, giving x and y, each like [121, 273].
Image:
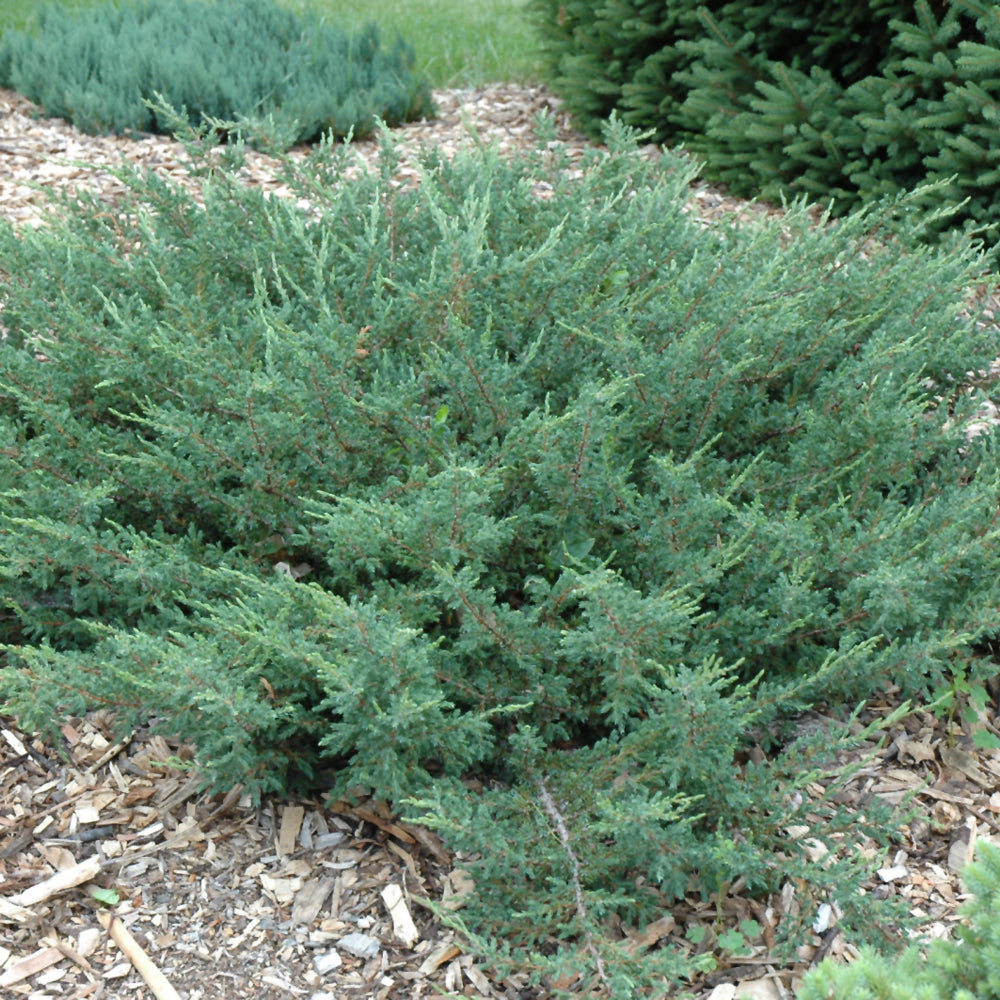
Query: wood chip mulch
[213, 898]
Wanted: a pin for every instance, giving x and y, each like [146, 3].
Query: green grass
[458, 42]
[17, 13]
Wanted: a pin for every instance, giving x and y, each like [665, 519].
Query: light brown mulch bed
[217, 898]
[39, 154]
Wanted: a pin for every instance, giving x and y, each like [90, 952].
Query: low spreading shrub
[966, 967]
[251, 65]
[520, 480]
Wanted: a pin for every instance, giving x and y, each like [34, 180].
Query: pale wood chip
[30, 966]
[917, 750]
[408, 860]
[70, 733]
[453, 977]
[291, 823]
[16, 745]
[60, 882]
[457, 888]
[651, 934]
[442, 954]
[476, 977]
[143, 964]
[282, 890]
[73, 955]
[181, 795]
[310, 898]
[963, 846]
[758, 989]
[724, 991]
[389, 826]
[430, 840]
[402, 923]
[960, 760]
[12, 912]
[111, 752]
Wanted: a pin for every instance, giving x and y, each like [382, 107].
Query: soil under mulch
[214, 897]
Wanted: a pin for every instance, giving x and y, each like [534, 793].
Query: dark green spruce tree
[843, 102]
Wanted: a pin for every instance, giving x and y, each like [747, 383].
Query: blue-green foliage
[519, 474]
[966, 967]
[252, 64]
